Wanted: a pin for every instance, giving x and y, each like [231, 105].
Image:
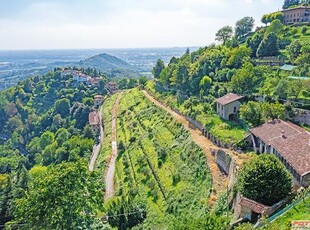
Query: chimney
[282, 133]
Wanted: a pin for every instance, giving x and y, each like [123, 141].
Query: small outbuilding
[94, 121]
[228, 106]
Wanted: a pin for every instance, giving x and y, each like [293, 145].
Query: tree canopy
[243, 27]
[61, 197]
[265, 180]
[224, 34]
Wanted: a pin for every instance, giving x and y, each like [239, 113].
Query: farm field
[158, 162]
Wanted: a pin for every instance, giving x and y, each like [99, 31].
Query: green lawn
[300, 212]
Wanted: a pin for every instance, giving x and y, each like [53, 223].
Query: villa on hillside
[94, 82]
[78, 76]
[98, 100]
[94, 121]
[289, 142]
[299, 14]
[228, 106]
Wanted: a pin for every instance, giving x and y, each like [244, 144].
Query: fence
[287, 208]
[282, 211]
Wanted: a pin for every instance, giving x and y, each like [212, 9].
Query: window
[235, 109]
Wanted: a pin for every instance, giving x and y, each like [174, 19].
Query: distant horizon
[122, 48]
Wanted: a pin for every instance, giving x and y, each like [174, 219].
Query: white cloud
[134, 23]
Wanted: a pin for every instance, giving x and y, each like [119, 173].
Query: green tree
[275, 27]
[224, 34]
[89, 132]
[205, 84]
[142, 81]
[295, 87]
[243, 27]
[254, 42]
[265, 19]
[294, 50]
[62, 135]
[252, 113]
[126, 212]
[237, 56]
[265, 180]
[62, 107]
[273, 111]
[88, 101]
[281, 89]
[288, 3]
[46, 139]
[269, 46]
[206, 221]
[243, 81]
[160, 65]
[62, 197]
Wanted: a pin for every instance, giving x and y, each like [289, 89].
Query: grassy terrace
[106, 145]
[159, 162]
[227, 131]
[300, 212]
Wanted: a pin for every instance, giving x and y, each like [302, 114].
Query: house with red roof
[228, 106]
[289, 142]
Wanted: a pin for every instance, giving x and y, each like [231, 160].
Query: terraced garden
[159, 163]
[227, 131]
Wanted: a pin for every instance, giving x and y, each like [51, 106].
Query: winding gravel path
[218, 179]
[109, 176]
[97, 147]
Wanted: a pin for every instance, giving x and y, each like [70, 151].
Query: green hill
[111, 66]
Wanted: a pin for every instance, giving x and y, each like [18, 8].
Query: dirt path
[109, 175]
[97, 146]
[219, 180]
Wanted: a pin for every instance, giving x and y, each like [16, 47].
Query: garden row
[158, 162]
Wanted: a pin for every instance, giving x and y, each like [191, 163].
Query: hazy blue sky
[70, 24]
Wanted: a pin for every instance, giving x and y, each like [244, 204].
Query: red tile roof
[94, 118]
[291, 142]
[228, 98]
[253, 205]
[98, 97]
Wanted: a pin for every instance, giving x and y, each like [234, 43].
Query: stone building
[251, 210]
[228, 106]
[289, 142]
[299, 14]
[94, 121]
[98, 100]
